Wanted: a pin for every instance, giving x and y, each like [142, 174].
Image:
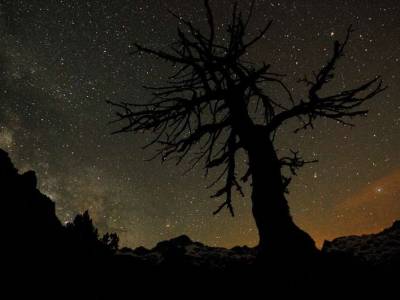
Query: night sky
[61, 60]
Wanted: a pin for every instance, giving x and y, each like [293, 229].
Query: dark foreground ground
[44, 259]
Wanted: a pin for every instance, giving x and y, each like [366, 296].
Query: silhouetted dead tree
[208, 104]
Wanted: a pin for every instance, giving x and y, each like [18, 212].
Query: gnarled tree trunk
[278, 234]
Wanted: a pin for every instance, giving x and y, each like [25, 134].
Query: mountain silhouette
[34, 225]
[182, 251]
[45, 253]
[380, 250]
[39, 252]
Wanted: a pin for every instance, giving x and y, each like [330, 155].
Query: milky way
[61, 60]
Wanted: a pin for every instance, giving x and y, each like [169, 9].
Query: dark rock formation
[30, 216]
[183, 252]
[380, 250]
[39, 253]
[34, 233]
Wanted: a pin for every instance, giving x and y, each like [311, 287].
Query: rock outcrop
[378, 250]
[182, 251]
[29, 215]
[33, 232]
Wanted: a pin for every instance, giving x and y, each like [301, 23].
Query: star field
[61, 60]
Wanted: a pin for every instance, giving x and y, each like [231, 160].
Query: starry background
[61, 60]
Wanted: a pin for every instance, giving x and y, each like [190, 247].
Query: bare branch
[204, 107]
[230, 178]
[294, 162]
[339, 106]
[211, 25]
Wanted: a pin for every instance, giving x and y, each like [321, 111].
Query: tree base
[288, 248]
